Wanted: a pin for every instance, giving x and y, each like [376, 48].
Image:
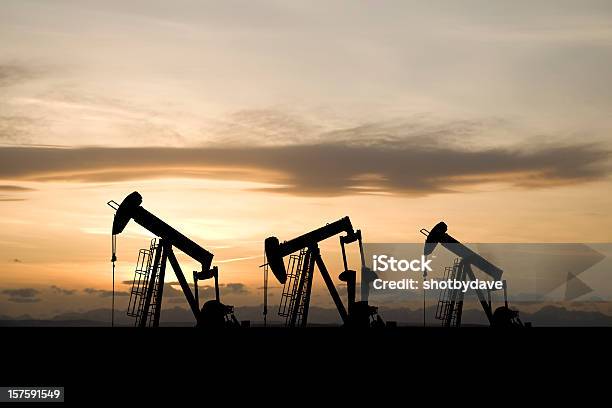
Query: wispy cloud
[235, 288]
[14, 73]
[103, 293]
[243, 258]
[13, 189]
[410, 167]
[22, 295]
[208, 291]
[62, 291]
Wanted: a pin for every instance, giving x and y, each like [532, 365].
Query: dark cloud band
[104, 293]
[22, 295]
[319, 169]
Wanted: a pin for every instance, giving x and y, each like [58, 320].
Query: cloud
[15, 189]
[12, 189]
[104, 293]
[173, 290]
[18, 128]
[62, 291]
[24, 300]
[414, 166]
[176, 300]
[11, 74]
[206, 292]
[170, 291]
[174, 293]
[235, 288]
[23, 292]
[22, 295]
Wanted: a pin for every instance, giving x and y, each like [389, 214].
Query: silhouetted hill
[52, 323]
[176, 316]
[559, 316]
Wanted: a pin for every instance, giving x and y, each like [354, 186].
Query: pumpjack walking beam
[438, 235]
[275, 251]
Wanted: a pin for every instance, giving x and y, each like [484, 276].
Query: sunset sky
[238, 120]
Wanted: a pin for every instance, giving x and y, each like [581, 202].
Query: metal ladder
[304, 295]
[140, 284]
[291, 293]
[449, 305]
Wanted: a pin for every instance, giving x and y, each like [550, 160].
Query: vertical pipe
[344, 261]
[505, 293]
[351, 284]
[265, 294]
[217, 295]
[361, 253]
[195, 289]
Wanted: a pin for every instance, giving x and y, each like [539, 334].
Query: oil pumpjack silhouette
[450, 302]
[304, 254]
[148, 285]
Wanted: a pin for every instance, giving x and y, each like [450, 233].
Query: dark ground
[126, 365]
